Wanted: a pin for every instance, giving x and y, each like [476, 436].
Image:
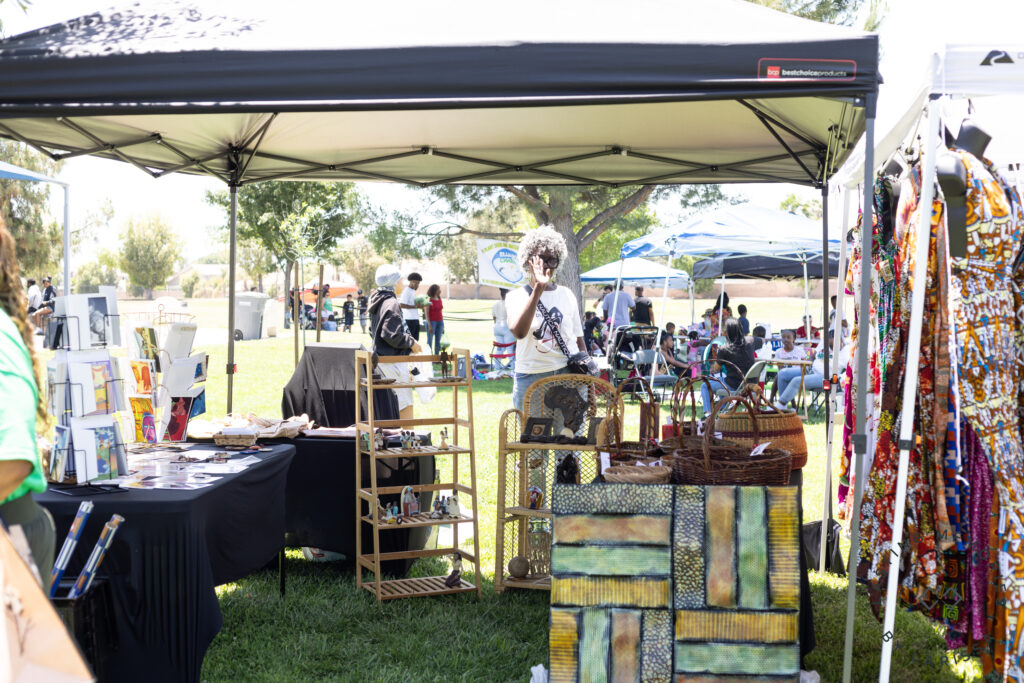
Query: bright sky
[912, 29]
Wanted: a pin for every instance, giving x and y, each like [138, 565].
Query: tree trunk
[259, 282]
[287, 291]
[568, 273]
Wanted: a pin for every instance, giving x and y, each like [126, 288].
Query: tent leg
[296, 308]
[807, 301]
[67, 240]
[860, 445]
[664, 302]
[721, 309]
[910, 386]
[693, 310]
[319, 302]
[826, 507]
[232, 257]
[615, 300]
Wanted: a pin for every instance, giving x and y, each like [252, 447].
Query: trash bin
[249, 315]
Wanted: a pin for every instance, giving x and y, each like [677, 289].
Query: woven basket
[783, 428]
[234, 439]
[730, 463]
[634, 474]
[619, 448]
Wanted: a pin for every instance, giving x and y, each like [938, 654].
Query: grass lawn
[325, 629]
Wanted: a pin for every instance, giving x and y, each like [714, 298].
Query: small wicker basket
[638, 474]
[222, 439]
[621, 449]
[721, 462]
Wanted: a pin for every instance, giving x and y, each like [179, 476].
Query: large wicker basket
[638, 474]
[782, 428]
[626, 450]
[729, 463]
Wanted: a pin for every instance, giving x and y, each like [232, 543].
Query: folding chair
[645, 357]
[500, 353]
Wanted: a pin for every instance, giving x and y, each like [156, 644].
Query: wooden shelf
[415, 422]
[413, 385]
[392, 589]
[367, 560]
[367, 494]
[422, 452]
[422, 519]
[519, 511]
[542, 583]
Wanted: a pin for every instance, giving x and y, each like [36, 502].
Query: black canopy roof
[540, 92]
[763, 267]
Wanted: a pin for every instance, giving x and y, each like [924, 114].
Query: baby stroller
[307, 314]
[627, 341]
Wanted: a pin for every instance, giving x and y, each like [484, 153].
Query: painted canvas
[674, 583]
[143, 418]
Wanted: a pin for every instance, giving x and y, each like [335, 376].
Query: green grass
[326, 629]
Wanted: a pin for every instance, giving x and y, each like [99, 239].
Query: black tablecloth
[320, 500]
[171, 551]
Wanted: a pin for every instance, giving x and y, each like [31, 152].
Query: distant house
[209, 273]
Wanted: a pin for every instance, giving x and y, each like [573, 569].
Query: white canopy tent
[958, 71]
[17, 173]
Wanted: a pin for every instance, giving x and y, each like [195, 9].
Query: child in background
[348, 308]
[789, 350]
[592, 333]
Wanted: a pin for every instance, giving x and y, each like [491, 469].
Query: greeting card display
[96, 445]
[95, 385]
[89, 320]
[178, 344]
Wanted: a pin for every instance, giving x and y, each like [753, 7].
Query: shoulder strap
[551, 323]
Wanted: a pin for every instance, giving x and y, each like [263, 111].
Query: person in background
[46, 307]
[499, 315]
[410, 311]
[435, 316]
[737, 351]
[667, 351]
[348, 310]
[391, 335]
[805, 328]
[831, 318]
[593, 334]
[670, 328]
[361, 303]
[604, 292]
[538, 353]
[788, 383]
[616, 306]
[643, 309]
[744, 323]
[758, 336]
[21, 470]
[34, 297]
[789, 350]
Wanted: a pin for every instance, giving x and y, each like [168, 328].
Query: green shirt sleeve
[18, 407]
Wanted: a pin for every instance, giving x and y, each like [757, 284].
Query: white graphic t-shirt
[408, 296]
[538, 351]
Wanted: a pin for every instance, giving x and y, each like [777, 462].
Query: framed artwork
[538, 427]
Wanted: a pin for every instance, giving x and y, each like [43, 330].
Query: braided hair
[14, 304]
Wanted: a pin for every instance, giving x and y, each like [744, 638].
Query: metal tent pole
[721, 308]
[320, 303]
[906, 441]
[693, 311]
[824, 342]
[67, 239]
[232, 259]
[836, 344]
[664, 302]
[807, 300]
[860, 436]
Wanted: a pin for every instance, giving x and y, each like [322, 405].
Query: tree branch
[460, 230]
[599, 223]
[531, 198]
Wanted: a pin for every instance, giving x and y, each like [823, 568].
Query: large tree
[24, 204]
[294, 220]
[150, 251]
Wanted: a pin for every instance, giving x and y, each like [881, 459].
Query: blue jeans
[523, 380]
[434, 332]
[813, 381]
[705, 392]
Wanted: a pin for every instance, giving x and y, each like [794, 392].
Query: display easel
[367, 498]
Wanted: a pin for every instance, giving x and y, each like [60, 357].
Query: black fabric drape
[320, 500]
[323, 387]
[171, 551]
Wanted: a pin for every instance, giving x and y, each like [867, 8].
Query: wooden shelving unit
[461, 446]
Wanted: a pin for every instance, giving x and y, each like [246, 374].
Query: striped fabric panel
[612, 529]
[688, 547]
[625, 646]
[737, 626]
[720, 515]
[611, 560]
[656, 652]
[594, 641]
[563, 641]
[727, 658]
[752, 548]
[587, 591]
[704, 678]
[621, 499]
[783, 547]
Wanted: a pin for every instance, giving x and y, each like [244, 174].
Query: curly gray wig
[544, 239]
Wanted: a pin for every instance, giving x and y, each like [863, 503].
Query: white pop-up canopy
[638, 272]
[957, 71]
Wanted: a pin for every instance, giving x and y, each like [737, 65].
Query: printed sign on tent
[499, 263]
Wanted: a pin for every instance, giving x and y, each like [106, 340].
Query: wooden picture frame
[538, 427]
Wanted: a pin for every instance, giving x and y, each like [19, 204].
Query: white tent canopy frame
[16, 173]
[959, 71]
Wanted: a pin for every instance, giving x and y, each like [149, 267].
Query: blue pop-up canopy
[744, 229]
[638, 271]
[17, 173]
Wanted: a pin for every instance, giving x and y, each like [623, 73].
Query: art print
[198, 404]
[177, 426]
[97, 320]
[142, 371]
[144, 341]
[144, 419]
[538, 427]
[106, 463]
[59, 452]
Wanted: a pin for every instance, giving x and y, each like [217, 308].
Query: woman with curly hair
[538, 353]
[21, 471]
